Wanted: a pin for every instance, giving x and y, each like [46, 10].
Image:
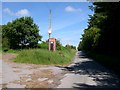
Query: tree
[105, 22]
[43, 45]
[21, 32]
[90, 38]
[58, 45]
[70, 46]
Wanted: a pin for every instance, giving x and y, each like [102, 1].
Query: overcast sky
[69, 19]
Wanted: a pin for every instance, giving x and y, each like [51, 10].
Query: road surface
[15, 75]
[82, 73]
[86, 73]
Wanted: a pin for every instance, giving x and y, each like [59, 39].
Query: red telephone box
[52, 44]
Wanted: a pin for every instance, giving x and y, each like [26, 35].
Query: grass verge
[43, 56]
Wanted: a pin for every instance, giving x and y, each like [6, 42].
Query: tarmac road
[86, 73]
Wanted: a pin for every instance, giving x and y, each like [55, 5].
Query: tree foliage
[43, 45]
[58, 45]
[21, 32]
[102, 33]
[70, 46]
[90, 38]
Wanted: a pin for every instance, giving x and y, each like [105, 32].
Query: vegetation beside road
[21, 37]
[102, 33]
[40, 55]
[43, 56]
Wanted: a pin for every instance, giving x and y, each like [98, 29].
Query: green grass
[0, 49]
[43, 56]
[7, 50]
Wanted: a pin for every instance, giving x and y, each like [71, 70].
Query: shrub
[43, 45]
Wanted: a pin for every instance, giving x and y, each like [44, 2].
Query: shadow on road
[103, 77]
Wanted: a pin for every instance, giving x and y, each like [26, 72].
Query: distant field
[43, 56]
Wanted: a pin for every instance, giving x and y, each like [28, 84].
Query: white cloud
[72, 9]
[22, 12]
[8, 11]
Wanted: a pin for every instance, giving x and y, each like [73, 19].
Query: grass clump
[43, 56]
